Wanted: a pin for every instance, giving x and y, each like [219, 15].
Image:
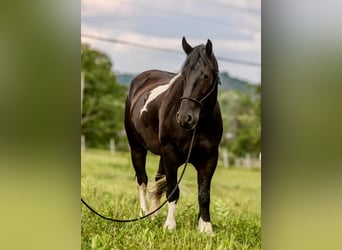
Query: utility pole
[82, 89]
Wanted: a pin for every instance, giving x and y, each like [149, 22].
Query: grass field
[108, 184]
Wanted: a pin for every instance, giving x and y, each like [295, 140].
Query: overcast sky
[234, 27]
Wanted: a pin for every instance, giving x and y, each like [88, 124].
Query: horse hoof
[205, 227]
[155, 214]
[170, 225]
[142, 212]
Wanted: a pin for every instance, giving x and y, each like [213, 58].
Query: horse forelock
[193, 59]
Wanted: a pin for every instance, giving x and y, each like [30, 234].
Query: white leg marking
[204, 227]
[156, 92]
[170, 222]
[142, 197]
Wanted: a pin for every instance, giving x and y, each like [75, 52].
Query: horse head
[200, 79]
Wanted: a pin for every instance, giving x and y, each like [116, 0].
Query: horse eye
[206, 77]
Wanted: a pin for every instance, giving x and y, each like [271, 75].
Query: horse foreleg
[204, 224]
[170, 222]
[204, 176]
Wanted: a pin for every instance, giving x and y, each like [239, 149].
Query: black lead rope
[149, 214]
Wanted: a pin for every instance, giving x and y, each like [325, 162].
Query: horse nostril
[188, 118]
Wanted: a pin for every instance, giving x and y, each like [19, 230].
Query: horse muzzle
[187, 120]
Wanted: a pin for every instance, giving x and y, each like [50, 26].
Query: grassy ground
[108, 184]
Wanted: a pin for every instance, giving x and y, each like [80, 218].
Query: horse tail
[158, 188]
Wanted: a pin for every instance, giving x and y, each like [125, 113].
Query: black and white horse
[162, 110]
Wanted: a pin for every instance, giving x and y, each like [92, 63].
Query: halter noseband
[217, 81]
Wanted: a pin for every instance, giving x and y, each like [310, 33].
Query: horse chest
[200, 148]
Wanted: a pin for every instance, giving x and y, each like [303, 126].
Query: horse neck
[175, 89]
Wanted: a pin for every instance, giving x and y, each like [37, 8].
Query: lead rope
[149, 214]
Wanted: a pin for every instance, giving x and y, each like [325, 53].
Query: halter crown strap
[205, 58]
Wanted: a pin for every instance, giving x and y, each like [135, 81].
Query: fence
[245, 162]
[111, 147]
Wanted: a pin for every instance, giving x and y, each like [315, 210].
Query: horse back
[148, 80]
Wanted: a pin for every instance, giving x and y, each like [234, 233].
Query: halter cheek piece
[216, 81]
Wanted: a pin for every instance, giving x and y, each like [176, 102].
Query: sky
[233, 26]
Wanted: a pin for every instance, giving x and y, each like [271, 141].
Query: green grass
[108, 184]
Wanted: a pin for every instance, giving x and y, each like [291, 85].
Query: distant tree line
[241, 114]
[104, 101]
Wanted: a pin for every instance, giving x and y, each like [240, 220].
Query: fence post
[82, 89]
[112, 146]
[248, 161]
[83, 143]
[225, 158]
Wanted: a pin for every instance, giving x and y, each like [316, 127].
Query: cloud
[236, 34]
[91, 8]
[243, 4]
[240, 44]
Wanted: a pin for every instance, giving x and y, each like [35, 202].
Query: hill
[228, 82]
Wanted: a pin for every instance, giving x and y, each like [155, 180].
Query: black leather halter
[216, 82]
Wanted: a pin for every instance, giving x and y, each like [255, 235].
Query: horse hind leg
[172, 193]
[139, 161]
[142, 198]
[158, 188]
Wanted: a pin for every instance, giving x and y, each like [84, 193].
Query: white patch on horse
[142, 197]
[157, 91]
[170, 222]
[204, 227]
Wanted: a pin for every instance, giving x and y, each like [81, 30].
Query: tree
[103, 99]
[241, 113]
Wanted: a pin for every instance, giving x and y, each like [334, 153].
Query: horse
[161, 112]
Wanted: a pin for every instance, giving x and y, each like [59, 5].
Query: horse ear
[209, 48]
[186, 47]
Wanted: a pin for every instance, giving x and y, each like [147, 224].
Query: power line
[145, 46]
[181, 14]
[191, 16]
[254, 64]
[139, 45]
[228, 5]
